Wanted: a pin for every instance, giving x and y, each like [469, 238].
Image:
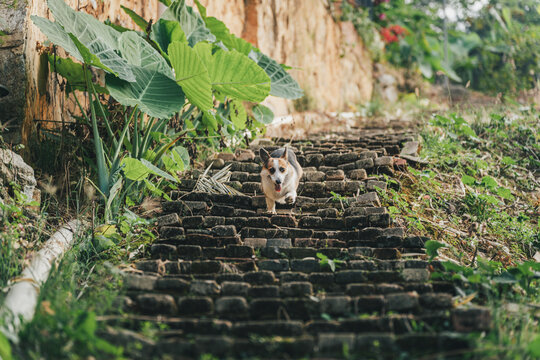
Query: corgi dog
[280, 176]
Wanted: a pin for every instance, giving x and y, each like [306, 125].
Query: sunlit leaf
[155, 93]
[282, 83]
[468, 180]
[137, 19]
[191, 22]
[192, 75]
[432, 248]
[165, 32]
[263, 114]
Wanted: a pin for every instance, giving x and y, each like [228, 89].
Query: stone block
[197, 305]
[234, 288]
[156, 304]
[296, 289]
[402, 301]
[204, 287]
[232, 307]
[336, 305]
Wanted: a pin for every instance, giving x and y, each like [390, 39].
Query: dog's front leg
[270, 205]
[290, 198]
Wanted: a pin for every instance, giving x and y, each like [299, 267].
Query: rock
[139, 282]
[232, 306]
[169, 220]
[216, 163]
[364, 163]
[471, 319]
[402, 301]
[274, 265]
[279, 243]
[245, 155]
[368, 199]
[13, 169]
[256, 242]
[313, 176]
[262, 277]
[336, 305]
[267, 291]
[415, 275]
[195, 305]
[387, 83]
[410, 148]
[204, 287]
[226, 156]
[358, 174]
[374, 184]
[156, 304]
[327, 213]
[384, 161]
[296, 289]
[334, 343]
[234, 288]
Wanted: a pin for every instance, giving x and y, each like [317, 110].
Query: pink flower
[382, 16]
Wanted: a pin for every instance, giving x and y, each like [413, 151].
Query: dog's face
[275, 168]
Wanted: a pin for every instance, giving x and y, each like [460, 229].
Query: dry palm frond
[215, 184]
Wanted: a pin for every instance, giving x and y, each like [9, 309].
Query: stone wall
[331, 63]
[12, 71]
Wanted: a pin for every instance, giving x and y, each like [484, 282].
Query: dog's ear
[285, 155]
[264, 155]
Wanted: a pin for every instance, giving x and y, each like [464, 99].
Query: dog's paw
[290, 199]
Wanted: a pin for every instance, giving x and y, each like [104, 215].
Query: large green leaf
[100, 39]
[201, 8]
[222, 33]
[165, 32]
[134, 169]
[191, 74]
[137, 19]
[263, 114]
[156, 94]
[88, 57]
[79, 23]
[157, 171]
[236, 76]
[139, 53]
[283, 84]
[73, 72]
[57, 35]
[190, 21]
[238, 115]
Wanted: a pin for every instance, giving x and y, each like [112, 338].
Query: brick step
[264, 347]
[407, 269]
[228, 279]
[265, 303]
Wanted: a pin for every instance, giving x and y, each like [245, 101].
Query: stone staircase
[328, 277]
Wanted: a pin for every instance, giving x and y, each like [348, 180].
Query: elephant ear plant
[186, 66]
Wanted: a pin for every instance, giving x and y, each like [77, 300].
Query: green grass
[478, 196]
[479, 190]
[21, 231]
[84, 286]
[65, 325]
